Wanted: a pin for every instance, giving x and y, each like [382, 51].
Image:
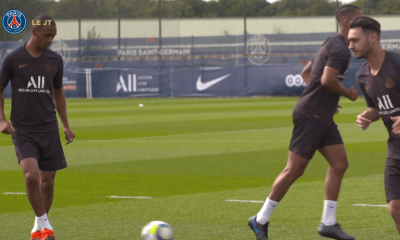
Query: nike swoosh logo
[21, 66]
[255, 227]
[203, 86]
[367, 87]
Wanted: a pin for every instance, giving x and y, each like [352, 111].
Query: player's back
[317, 102]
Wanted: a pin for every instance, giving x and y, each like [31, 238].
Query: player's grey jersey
[383, 92]
[32, 81]
[317, 102]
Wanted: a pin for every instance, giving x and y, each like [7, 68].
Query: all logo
[294, 80]
[131, 85]
[258, 49]
[385, 104]
[14, 21]
[40, 82]
[62, 49]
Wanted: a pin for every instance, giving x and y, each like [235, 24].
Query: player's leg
[305, 140]
[394, 209]
[392, 189]
[333, 150]
[51, 159]
[47, 188]
[338, 164]
[31, 171]
[294, 169]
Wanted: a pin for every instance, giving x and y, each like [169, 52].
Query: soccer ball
[157, 230]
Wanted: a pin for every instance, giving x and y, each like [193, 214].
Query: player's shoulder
[51, 54]
[336, 45]
[14, 53]
[393, 57]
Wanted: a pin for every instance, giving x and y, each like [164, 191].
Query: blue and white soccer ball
[157, 230]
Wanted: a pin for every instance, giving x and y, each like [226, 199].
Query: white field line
[370, 205]
[130, 197]
[14, 193]
[245, 201]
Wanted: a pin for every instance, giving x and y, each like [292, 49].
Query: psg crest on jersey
[14, 21]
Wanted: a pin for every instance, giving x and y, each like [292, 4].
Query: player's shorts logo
[62, 49]
[14, 21]
[258, 49]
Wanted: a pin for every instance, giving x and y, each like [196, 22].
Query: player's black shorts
[309, 135]
[45, 147]
[392, 179]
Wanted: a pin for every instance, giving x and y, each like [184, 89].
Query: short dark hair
[346, 10]
[43, 17]
[367, 24]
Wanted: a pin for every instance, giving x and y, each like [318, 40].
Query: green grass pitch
[190, 156]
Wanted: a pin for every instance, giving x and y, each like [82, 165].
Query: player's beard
[364, 53]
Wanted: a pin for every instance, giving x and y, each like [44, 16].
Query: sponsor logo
[203, 86]
[35, 86]
[21, 66]
[69, 85]
[136, 83]
[62, 49]
[294, 81]
[40, 83]
[386, 106]
[258, 49]
[14, 21]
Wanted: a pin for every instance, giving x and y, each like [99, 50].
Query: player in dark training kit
[379, 80]
[314, 129]
[35, 73]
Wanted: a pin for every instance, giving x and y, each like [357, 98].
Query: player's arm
[329, 80]
[5, 76]
[5, 126]
[305, 74]
[61, 107]
[367, 117]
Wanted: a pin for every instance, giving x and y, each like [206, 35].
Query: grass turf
[190, 156]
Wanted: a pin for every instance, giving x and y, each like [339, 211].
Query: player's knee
[295, 171]
[341, 166]
[47, 184]
[394, 210]
[31, 179]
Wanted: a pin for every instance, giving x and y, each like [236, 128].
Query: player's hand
[396, 125]
[7, 128]
[363, 121]
[69, 135]
[337, 109]
[353, 95]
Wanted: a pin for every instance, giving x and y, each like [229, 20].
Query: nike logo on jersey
[21, 66]
[203, 86]
[367, 87]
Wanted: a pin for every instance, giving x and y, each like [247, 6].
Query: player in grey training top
[314, 129]
[379, 80]
[36, 74]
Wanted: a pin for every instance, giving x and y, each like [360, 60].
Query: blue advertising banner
[232, 81]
